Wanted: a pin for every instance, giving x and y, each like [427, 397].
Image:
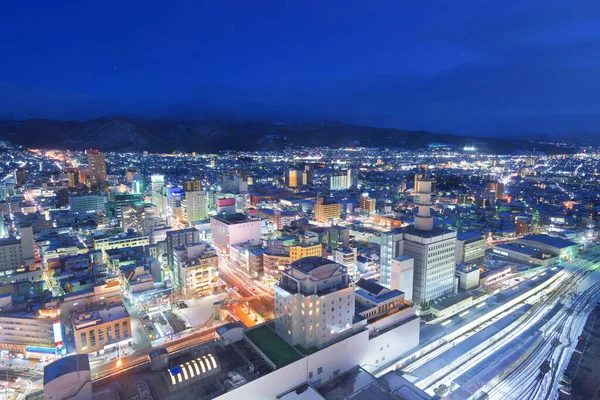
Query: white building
[233, 229]
[346, 257]
[196, 203]
[433, 250]
[403, 270]
[314, 302]
[87, 204]
[195, 267]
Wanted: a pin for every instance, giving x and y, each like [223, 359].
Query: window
[336, 372]
[310, 375]
[83, 341]
[320, 370]
[92, 338]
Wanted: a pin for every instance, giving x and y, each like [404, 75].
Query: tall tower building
[97, 167]
[308, 175]
[294, 177]
[191, 186]
[197, 205]
[73, 176]
[433, 250]
[392, 246]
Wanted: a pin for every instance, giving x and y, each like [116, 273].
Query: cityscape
[437, 274]
[333, 200]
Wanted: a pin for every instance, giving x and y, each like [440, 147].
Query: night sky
[473, 67]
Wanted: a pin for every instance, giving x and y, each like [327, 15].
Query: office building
[326, 210]
[195, 268]
[178, 238]
[294, 177]
[73, 177]
[103, 329]
[97, 167]
[347, 257]
[11, 254]
[304, 248]
[192, 186]
[132, 174]
[87, 204]
[308, 175]
[367, 204]
[196, 203]
[22, 333]
[233, 229]
[433, 250]
[20, 176]
[314, 302]
[391, 246]
[470, 249]
[157, 183]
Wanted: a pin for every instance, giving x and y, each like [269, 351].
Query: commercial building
[73, 178]
[177, 238]
[87, 204]
[563, 249]
[326, 210]
[25, 333]
[248, 257]
[470, 249]
[346, 257]
[433, 250]
[304, 248]
[391, 246]
[294, 177]
[233, 229]
[11, 254]
[195, 268]
[100, 330]
[120, 242]
[97, 167]
[196, 203]
[314, 302]
[367, 204]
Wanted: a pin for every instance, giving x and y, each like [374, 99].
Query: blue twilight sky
[475, 66]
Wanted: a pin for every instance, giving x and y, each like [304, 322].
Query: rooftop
[230, 219]
[273, 346]
[66, 365]
[550, 241]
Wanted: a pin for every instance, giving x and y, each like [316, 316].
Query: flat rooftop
[273, 346]
[553, 241]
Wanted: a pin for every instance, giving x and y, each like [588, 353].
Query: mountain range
[167, 135]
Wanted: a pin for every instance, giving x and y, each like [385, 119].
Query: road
[102, 370]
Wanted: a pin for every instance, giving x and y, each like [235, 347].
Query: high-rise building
[20, 176]
[338, 181]
[294, 177]
[196, 205]
[192, 186]
[73, 176]
[180, 237]
[314, 302]
[352, 175]
[158, 181]
[308, 175]
[391, 246]
[433, 250]
[367, 204]
[132, 174]
[495, 190]
[326, 210]
[97, 167]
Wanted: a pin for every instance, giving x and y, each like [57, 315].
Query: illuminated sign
[57, 331]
